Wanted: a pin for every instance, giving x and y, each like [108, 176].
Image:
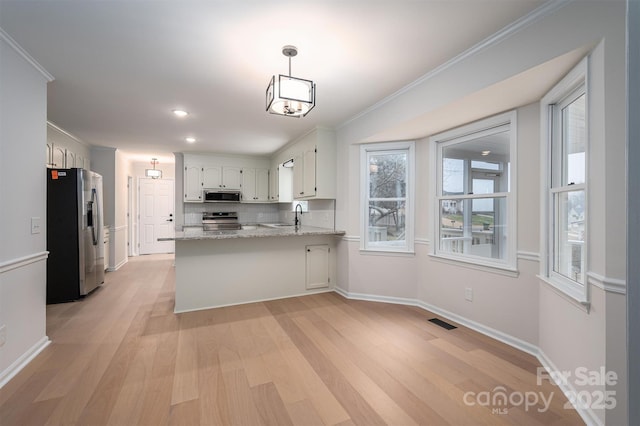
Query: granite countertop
[253, 231]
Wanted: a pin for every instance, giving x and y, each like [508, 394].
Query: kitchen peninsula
[262, 262]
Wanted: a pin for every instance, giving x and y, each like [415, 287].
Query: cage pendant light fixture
[290, 96]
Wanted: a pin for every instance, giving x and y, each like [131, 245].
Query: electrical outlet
[3, 334]
[468, 294]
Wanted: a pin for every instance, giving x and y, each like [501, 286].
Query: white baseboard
[119, 265]
[567, 389]
[22, 362]
[587, 414]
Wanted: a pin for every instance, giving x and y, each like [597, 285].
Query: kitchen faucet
[297, 221]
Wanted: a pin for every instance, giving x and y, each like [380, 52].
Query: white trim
[578, 76]
[119, 265]
[567, 389]
[465, 263]
[488, 331]
[307, 293]
[23, 361]
[543, 11]
[410, 193]
[528, 255]
[23, 261]
[388, 253]
[422, 241]
[113, 228]
[351, 238]
[69, 135]
[575, 297]
[612, 285]
[506, 121]
[25, 55]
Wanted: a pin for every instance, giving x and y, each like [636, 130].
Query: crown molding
[25, 55]
[518, 25]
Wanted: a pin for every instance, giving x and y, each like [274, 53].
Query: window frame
[571, 86]
[381, 147]
[483, 127]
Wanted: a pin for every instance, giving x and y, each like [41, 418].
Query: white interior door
[156, 208]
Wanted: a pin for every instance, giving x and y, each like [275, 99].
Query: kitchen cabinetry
[218, 172]
[63, 158]
[193, 183]
[255, 185]
[314, 167]
[317, 266]
[65, 151]
[227, 177]
[274, 182]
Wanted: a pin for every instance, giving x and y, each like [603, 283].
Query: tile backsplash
[247, 213]
[321, 213]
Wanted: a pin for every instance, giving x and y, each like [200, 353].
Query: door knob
[169, 220]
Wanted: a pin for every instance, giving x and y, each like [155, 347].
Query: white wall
[23, 116]
[633, 206]
[114, 167]
[519, 309]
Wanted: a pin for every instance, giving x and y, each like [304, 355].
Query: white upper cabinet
[274, 182]
[255, 185]
[313, 175]
[192, 183]
[212, 177]
[232, 177]
[225, 173]
[64, 151]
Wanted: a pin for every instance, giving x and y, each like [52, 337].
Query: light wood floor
[122, 357]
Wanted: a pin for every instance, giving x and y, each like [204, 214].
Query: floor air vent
[442, 323]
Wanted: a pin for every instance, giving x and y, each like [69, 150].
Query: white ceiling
[120, 67]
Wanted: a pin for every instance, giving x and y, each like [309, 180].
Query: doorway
[156, 215]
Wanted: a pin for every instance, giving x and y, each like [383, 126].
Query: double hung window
[474, 215]
[387, 186]
[565, 143]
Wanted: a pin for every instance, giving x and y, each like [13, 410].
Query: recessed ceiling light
[180, 113]
[485, 153]
[190, 139]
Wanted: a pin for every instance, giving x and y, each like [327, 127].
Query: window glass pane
[475, 227]
[482, 186]
[569, 256]
[387, 222]
[574, 141]
[485, 165]
[387, 175]
[452, 176]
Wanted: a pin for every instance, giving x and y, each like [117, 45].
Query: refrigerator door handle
[92, 218]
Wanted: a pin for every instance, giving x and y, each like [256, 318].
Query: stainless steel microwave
[216, 196]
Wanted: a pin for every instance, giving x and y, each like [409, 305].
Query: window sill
[574, 295]
[465, 263]
[370, 252]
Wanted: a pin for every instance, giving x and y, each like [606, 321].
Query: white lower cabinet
[317, 266]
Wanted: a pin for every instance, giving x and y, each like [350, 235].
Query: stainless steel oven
[220, 221]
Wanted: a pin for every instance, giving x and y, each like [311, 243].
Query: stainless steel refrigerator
[75, 266]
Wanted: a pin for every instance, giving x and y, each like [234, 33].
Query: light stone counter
[252, 231]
